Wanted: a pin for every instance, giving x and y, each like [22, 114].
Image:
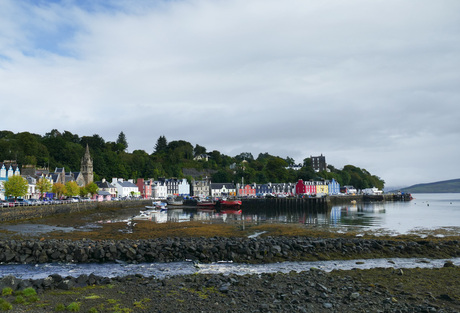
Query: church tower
[86, 168]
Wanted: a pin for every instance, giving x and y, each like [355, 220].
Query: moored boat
[206, 204]
[175, 201]
[230, 203]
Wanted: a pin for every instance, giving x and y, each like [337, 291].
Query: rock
[66, 284]
[9, 282]
[354, 296]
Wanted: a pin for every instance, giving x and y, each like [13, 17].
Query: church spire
[87, 167]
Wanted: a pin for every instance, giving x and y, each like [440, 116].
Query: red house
[305, 188]
[145, 187]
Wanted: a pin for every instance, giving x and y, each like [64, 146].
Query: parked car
[23, 202]
[35, 202]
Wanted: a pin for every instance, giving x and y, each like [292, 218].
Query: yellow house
[322, 188]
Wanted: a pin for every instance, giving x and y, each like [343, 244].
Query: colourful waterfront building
[333, 187]
[246, 190]
[321, 187]
[305, 187]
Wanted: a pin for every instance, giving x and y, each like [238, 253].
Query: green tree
[244, 156]
[199, 150]
[16, 186]
[44, 186]
[72, 189]
[276, 170]
[83, 191]
[92, 188]
[162, 145]
[122, 143]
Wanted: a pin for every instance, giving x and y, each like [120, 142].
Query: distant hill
[446, 186]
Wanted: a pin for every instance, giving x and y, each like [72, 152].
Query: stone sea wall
[251, 250]
[30, 212]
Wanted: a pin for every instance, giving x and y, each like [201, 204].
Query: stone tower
[86, 168]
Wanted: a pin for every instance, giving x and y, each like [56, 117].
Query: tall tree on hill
[162, 145]
[122, 143]
[199, 150]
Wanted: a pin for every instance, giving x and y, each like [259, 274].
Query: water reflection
[426, 211]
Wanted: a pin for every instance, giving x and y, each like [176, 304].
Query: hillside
[446, 186]
[177, 158]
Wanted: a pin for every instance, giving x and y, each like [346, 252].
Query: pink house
[246, 191]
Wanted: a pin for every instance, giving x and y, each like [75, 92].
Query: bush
[19, 300]
[73, 307]
[5, 305]
[7, 291]
[29, 292]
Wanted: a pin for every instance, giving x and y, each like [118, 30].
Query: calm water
[426, 213]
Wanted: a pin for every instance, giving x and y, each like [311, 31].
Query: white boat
[157, 205]
[175, 201]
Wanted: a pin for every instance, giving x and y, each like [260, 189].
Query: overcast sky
[375, 84]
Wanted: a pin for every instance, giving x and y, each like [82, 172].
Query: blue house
[263, 189]
[333, 187]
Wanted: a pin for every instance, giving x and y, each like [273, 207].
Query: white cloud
[373, 84]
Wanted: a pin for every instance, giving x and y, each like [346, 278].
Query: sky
[375, 84]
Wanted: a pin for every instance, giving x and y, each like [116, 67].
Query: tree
[92, 189]
[58, 189]
[71, 189]
[44, 186]
[162, 145]
[199, 150]
[16, 186]
[83, 191]
[122, 143]
[244, 156]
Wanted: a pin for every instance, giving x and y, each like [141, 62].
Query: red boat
[232, 203]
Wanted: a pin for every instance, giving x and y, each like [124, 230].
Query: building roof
[127, 184]
[222, 185]
[104, 185]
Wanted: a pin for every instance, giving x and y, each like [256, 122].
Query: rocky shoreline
[375, 290]
[242, 250]
[378, 290]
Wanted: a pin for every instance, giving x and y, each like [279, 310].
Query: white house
[159, 190]
[125, 188]
[7, 169]
[223, 189]
[184, 187]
